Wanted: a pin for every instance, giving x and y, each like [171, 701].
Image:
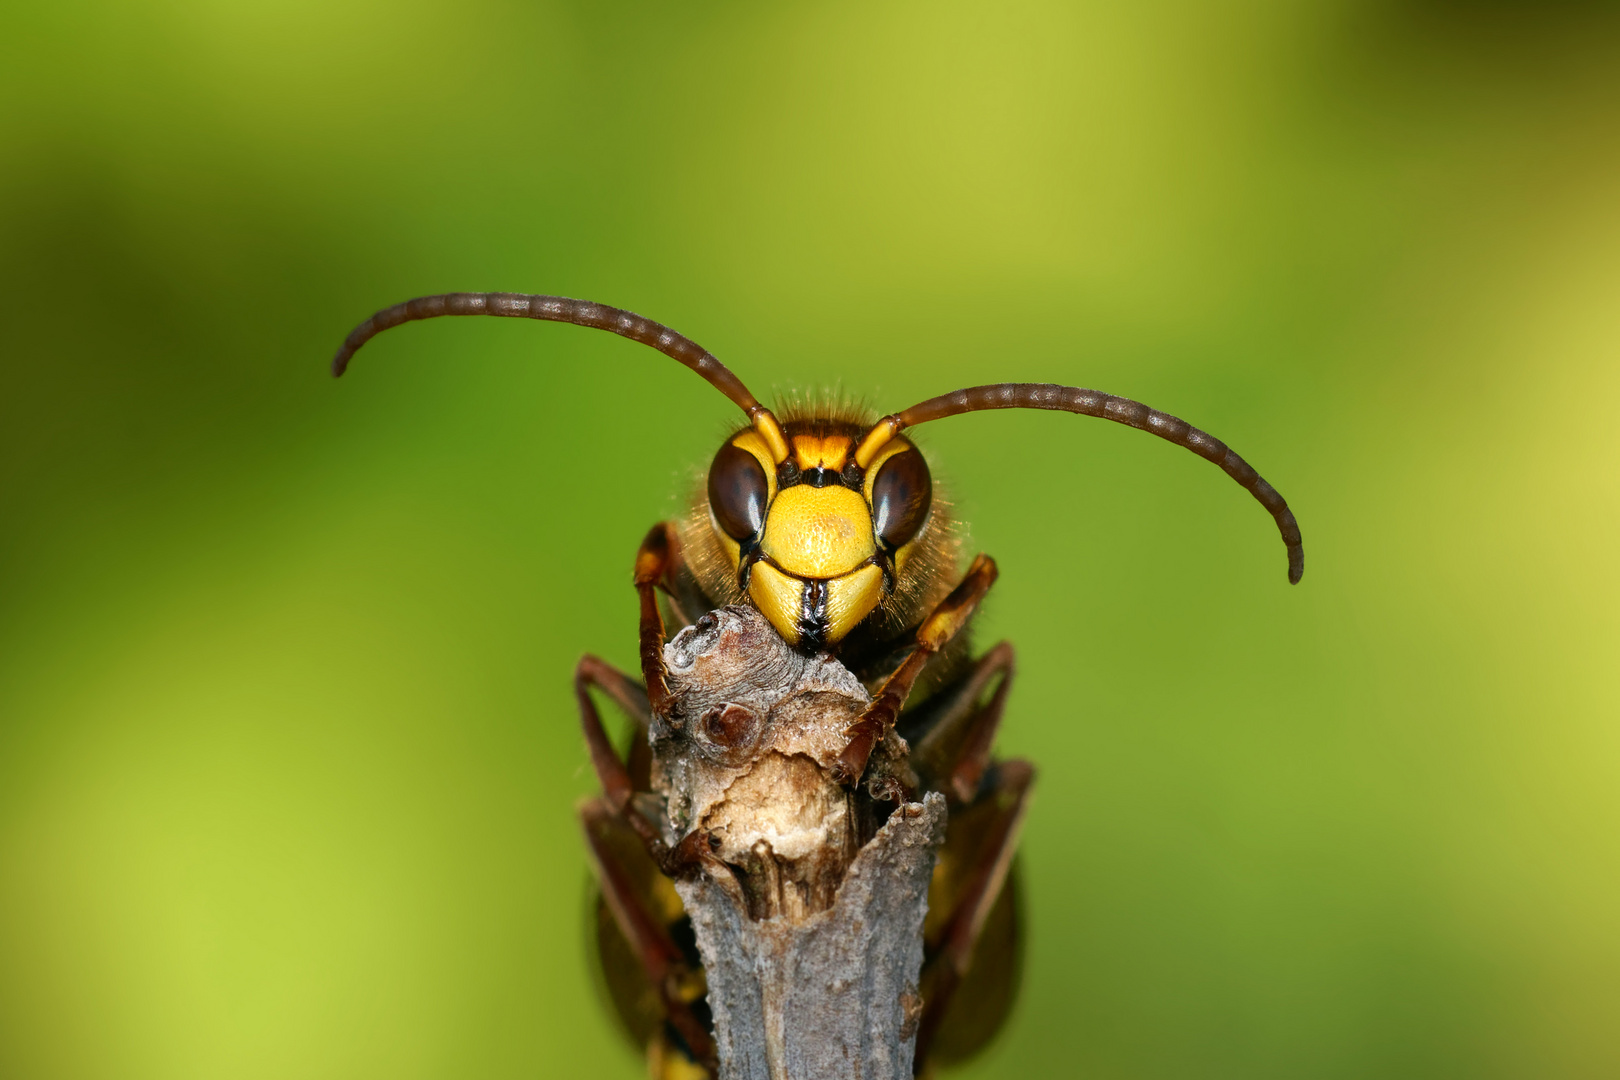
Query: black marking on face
[813, 627]
[851, 476]
[883, 559]
[748, 553]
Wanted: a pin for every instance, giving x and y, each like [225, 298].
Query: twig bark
[809, 907]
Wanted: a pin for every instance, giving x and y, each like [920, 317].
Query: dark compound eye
[737, 492]
[900, 497]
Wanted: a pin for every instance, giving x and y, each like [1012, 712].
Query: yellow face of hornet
[817, 543]
[822, 520]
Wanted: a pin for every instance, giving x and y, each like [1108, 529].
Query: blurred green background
[288, 757]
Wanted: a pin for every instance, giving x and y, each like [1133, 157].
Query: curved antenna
[579, 313]
[1095, 403]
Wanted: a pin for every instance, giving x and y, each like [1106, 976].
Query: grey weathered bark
[808, 912]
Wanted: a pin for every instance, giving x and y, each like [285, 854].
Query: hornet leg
[618, 788]
[974, 867]
[936, 631]
[627, 879]
[656, 564]
[952, 738]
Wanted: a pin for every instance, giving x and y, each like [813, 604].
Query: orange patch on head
[824, 452]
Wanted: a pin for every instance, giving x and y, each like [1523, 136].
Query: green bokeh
[287, 752]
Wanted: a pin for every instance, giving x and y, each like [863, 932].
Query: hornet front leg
[936, 631]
